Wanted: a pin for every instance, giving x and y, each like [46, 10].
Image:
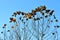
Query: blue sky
[7, 7]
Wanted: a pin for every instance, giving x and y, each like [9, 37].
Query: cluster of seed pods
[35, 25]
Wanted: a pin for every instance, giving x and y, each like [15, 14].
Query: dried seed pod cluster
[12, 20]
[16, 13]
[31, 24]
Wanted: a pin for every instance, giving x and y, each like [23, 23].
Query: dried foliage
[39, 29]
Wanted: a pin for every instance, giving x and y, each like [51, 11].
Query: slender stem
[38, 30]
[42, 28]
[4, 33]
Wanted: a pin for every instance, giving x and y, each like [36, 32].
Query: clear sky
[7, 7]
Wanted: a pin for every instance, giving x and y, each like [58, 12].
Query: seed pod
[51, 12]
[35, 19]
[46, 16]
[38, 18]
[56, 20]
[22, 13]
[55, 26]
[24, 22]
[38, 9]
[53, 33]
[20, 18]
[5, 24]
[58, 26]
[29, 16]
[12, 15]
[43, 8]
[1, 32]
[15, 14]
[34, 12]
[12, 27]
[18, 12]
[8, 31]
[3, 27]
[51, 20]
[43, 34]
[14, 20]
[11, 19]
[27, 19]
[47, 11]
